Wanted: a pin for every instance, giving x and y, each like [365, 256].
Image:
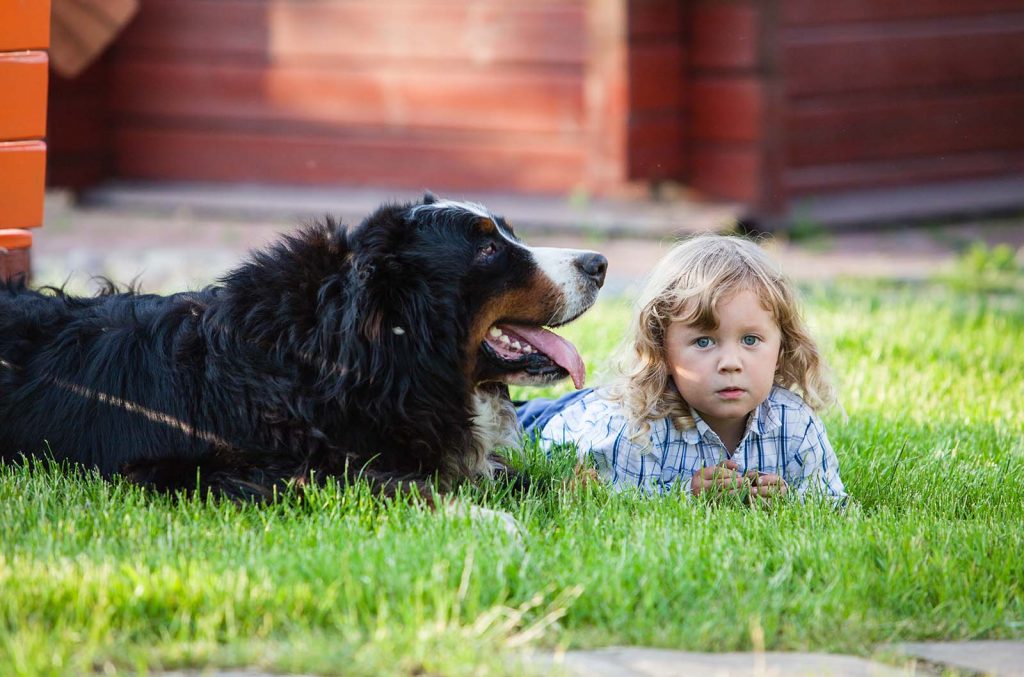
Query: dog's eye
[487, 252]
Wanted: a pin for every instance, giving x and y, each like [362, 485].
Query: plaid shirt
[783, 436]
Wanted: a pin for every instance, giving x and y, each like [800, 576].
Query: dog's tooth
[495, 332]
[505, 339]
[515, 345]
[527, 348]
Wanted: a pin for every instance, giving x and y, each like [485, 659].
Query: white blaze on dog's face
[513, 291]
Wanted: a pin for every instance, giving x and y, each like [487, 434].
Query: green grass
[101, 576]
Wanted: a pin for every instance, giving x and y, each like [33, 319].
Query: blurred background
[601, 118]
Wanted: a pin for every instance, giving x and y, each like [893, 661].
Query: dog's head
[448, 269]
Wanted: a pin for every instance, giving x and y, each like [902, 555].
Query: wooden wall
[880, 93]
[659, 91]
[762, 102]
[404, 92]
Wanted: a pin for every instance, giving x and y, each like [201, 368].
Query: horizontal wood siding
[484, 95]
[728, 92]
[881, 94]
[78, 128]
[658, 91]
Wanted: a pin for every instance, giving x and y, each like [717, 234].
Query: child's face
[725, 373]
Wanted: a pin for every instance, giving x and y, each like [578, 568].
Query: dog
[381, 352]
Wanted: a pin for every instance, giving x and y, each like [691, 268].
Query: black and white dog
[381, 351]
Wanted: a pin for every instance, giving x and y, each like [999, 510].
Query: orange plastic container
[24, 24]
[23, 82]
[22, 183]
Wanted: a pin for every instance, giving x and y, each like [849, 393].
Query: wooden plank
[936, 54]
[730, 172]
[22, 183]
[657, 147]
[655, 19]
[904, 171]
[78, 128]
[656, 76]
[479, 162]
[483, 32]
[15, 263]
[808, 12]
[82, 30]
[848, 130]
[23, 103]
[607, 95]
[727, 108]
[24, 25]
[725, 36]
[463, 99]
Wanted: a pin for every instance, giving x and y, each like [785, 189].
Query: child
[708, 396]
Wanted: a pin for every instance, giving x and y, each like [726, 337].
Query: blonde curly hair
[687, 285]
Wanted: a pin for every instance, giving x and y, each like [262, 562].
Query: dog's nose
[593, 265]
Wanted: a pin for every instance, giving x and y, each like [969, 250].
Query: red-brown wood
[657, 147]
[656, 76]
[463, 98]
[899, 126]
[947, 53]
[539, 31]
[488, 161]
[78, 129]
[15, 248]
[727, 108]
[902, 172]
[804, 12]
[731, 173]
[655, 19]
[725, 35]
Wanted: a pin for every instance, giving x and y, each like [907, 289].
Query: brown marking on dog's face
[533, 304]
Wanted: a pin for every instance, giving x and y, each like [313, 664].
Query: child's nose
[729, 361]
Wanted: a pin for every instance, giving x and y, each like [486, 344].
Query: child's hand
[723, 478]
[765, 487]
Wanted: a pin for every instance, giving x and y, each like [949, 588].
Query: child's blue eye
[702, 341]
[750, 340]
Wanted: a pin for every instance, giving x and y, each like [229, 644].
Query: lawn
[100, 576]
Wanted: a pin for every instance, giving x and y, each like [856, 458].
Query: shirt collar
[762, 420]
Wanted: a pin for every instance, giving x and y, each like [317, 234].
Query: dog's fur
[336, 352]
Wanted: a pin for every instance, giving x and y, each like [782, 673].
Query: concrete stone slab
[999, 658]
[641, 662]
[530, 213]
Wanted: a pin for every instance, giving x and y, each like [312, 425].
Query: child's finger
[768, 490]
[766, 478]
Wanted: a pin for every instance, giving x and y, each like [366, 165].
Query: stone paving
[999, 658]
[182, 242]
[641, 662]
[989, 658]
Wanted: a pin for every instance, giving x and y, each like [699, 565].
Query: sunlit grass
[102, 576]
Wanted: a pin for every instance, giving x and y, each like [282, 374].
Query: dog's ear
[429, 198]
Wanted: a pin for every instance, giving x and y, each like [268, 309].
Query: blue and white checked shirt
[783, 436]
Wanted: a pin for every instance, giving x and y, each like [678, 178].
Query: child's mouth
[731, 393]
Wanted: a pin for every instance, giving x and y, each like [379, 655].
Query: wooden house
[779, 105]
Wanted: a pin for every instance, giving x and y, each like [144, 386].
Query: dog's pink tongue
[561, 352]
